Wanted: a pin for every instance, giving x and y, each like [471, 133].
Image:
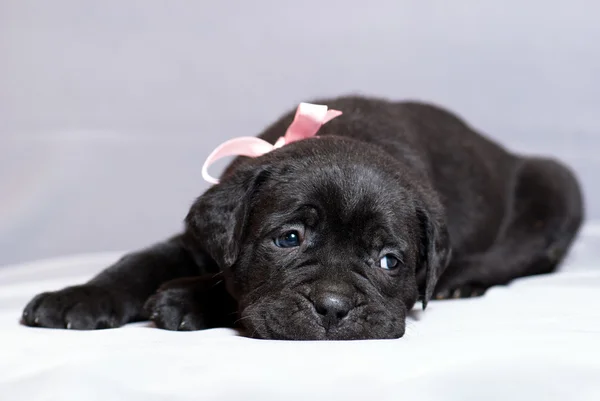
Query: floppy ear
[217, 219]
[435, 250]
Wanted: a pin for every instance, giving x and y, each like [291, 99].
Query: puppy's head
[326, 238]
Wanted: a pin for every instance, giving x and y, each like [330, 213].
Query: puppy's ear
[435, 250]
[217, 219]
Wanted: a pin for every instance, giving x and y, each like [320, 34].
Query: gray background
[108, 108]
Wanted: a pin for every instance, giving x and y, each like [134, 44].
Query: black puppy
[337, 237]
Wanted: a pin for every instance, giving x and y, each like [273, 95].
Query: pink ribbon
[309, 118]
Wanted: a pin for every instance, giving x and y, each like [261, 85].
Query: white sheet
[538, 339]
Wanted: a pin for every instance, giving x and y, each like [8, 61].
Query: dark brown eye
[289, 239]
[389, 262]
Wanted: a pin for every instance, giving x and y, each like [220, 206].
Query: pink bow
[309, 118]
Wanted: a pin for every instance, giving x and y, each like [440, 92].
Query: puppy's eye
[389, 262]
[288, 240]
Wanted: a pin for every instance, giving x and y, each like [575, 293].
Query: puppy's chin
[292, 317]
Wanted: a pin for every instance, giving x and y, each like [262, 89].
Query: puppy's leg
[117, 295]
[542, 220]
[192, 303]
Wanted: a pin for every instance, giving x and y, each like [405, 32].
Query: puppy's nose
[333, 307]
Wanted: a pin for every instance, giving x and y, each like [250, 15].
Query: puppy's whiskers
[255, 318]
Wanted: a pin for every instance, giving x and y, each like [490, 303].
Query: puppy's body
[384, 183]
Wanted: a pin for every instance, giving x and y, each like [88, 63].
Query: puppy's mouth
[293, 317]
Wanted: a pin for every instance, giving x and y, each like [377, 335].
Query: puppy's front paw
[83, 307]
[175, 309]
[462, 291]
